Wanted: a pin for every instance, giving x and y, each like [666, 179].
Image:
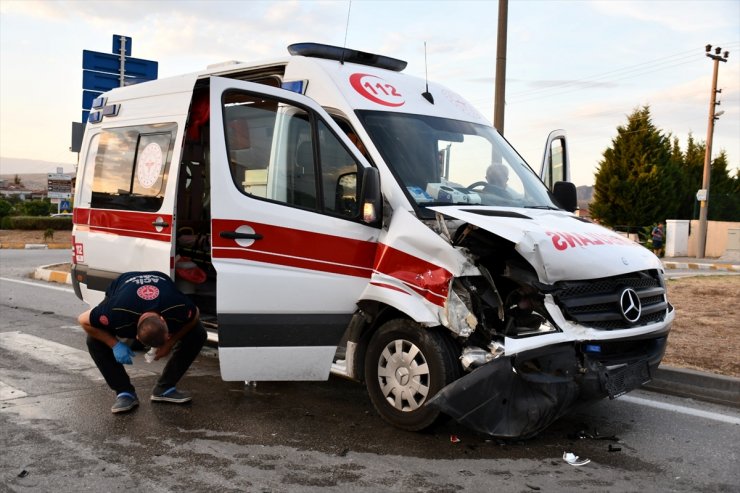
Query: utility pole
[499, 99]
[703, 194]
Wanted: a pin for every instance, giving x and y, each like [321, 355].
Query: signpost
[60, 188]
[102, 72]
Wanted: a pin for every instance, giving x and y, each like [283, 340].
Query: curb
[34, 246]
[694, 384]
[43, 273]
[701, 266]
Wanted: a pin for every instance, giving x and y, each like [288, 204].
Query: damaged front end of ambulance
[545, 310]
[564, 312]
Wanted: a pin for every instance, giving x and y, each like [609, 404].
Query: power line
[636, 70]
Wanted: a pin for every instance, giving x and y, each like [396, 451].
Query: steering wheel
[477, 184]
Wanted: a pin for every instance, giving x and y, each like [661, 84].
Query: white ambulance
[347, 218]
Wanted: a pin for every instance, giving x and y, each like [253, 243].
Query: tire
[406, 364]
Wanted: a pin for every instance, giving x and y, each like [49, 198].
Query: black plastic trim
[279, 330]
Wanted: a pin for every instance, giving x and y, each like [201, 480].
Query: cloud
[672, 14]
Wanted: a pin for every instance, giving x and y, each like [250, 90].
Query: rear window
[131, 167]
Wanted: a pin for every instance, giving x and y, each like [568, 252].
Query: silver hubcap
[403, 375]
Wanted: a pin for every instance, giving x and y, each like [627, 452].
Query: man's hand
[123, 353]
[163, 351]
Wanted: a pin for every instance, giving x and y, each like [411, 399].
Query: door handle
[160, 224]
[233, 235]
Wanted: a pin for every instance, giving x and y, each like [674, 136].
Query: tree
[637, 179]
[5, 208]
[36, 207]
[693, 171]
[724, 192]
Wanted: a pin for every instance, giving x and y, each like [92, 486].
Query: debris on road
[574, 460]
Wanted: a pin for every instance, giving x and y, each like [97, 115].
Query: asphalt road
[57, 433]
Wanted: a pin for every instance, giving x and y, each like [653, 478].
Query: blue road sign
[88, 97]
[117, 44]
[105, 62]
[99, 81]
[141, 70]
[101, 73]
[100, 62]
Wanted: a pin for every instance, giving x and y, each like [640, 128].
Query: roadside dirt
[34, 236]
[705, 335]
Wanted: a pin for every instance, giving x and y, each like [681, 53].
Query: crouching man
[146, 306]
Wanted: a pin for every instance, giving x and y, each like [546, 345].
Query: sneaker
[125, 401]
[172, 395]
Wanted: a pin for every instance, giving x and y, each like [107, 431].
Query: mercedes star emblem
[629, 302]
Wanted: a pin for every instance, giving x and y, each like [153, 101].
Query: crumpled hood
[559, 245]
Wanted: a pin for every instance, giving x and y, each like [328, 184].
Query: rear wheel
[406, 364]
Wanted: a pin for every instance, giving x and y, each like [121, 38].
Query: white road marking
[681, 409]
[75, 328]
[37, 284]
[57, 355]
[7, 392]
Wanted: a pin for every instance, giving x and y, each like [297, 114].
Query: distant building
[20, 192]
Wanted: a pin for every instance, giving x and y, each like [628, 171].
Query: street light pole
[704, 199]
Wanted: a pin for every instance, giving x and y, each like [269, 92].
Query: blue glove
[123, 353]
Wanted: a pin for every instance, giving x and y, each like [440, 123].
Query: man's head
[152, 329]
[497, 174]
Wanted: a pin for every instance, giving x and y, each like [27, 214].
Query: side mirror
[370, 196]
[566, 195]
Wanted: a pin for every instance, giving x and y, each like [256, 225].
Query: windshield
[440, 161]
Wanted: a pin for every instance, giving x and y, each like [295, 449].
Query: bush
[37, 207]
[37, 223]
[5, 208]
[5, 223]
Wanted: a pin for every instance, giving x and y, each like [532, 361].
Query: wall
[716, 237]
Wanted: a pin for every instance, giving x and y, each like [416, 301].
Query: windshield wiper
[436, 204]
[543, 207]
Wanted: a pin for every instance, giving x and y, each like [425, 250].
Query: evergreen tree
[637, 179]
[693, 171]
[724, 192]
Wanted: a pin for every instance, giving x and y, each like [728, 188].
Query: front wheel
[406, 364]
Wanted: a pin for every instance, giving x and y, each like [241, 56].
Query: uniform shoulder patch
[148, 292]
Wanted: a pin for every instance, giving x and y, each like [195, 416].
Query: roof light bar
[317, 50]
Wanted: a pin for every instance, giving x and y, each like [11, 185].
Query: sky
[582, 66]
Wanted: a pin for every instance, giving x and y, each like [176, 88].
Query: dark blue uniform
[132, 294]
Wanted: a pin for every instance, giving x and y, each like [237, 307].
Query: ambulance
[330, 214]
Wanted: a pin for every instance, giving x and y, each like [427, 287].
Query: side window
[554, 169]
[278, 151]
[92, 152]
[339, 172]
[131, 167]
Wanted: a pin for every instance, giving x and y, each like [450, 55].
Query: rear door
[291, 251]
[124, 204]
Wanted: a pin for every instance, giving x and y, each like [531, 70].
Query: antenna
[346, 30]
[426, 94]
